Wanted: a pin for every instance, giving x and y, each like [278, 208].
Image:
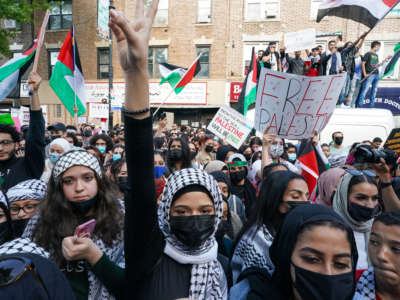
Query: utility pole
[110, 74]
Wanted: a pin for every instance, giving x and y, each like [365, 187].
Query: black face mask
[53, 137]
[79, 144]
[82, 208]
[315, 286]
[192, 155]
[362, 213]
[87, 133]
[175, 155]
[4, 232]
[123, 183]
[247, 156]
[237, 177]
[209, 148]
[19, 226]
[193, 231]
[293, 204]
[338, 140]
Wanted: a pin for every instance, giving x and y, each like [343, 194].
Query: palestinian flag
[12, 71]
[67, 80]
[312, 164]
[388, 68]
[179, 77]
[367, 12]
[248, 95]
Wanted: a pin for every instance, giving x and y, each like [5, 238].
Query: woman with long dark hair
[279, 193]
[79, 191]
[178, 155]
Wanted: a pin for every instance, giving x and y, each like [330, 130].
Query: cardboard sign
[293, 106]
[300, 40]
[393, 140]
[230, 125]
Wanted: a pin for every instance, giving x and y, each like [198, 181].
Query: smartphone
[85, 230]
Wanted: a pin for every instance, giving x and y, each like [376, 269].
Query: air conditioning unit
[9, 24]
[204, 18]
[272, 10]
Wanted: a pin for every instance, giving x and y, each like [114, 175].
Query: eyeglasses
[13, 268]
[6, 142]
[354, 172]
[30, 208]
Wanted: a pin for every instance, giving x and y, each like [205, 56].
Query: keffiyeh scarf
[365, 289]
[252, 251]
[32, 189]
[208, 280]
[76, 158]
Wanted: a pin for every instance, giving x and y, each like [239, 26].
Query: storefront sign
[387, 98]
[236, 89]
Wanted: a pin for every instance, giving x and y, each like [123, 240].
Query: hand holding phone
[85, 230]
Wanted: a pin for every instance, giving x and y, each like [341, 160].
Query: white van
[357, 124]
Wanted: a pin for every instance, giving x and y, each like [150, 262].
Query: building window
[11, 24]
[52, 58]
[161, 18]
[314, 9]
[157, 55]
[395, 12]
[247, 48]
[259, 10]
[204, 11]
[204, 61]
[103, 62]
[58, 111]
[61, 15]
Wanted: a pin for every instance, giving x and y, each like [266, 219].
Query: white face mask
[276, 150]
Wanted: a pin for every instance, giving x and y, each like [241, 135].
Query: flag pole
[165, 100]
[73, 52]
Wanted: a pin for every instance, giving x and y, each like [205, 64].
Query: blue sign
[387, 98]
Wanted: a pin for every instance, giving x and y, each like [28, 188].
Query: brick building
[224, 31]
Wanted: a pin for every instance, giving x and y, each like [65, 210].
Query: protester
[206, 154]
[296, 64]
[255, 144]
[273, 152]
[331, 60]
[71, 138]
[178, 155]
[57, 148]
[326, 150]
[119, 174]
[57, 130]
[224, 153]
[313, 63]
[104, 144]
[193, 154]
[376, 143]
[337, 146]
[356, 81]
[96, 152]
[291, 152]
[118, 152]
[271, 59]
[6, 231]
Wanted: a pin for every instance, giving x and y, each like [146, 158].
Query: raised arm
[143, 240]
[267, 142]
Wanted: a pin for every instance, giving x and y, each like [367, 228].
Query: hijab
[63, 143]
[327, 184]
[283, 245]
[207, 275]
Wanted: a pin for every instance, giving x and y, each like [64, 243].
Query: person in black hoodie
[13, 169]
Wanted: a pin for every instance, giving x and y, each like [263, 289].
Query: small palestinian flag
[12, 71]
[388, 68]
[367, 12]
[179, 77]
[67, 80]
[248, 95]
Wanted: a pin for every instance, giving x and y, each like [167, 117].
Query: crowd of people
[362, 70]
[179, 213]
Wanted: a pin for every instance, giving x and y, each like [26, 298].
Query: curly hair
[57, 221]
[104, 137]
[11, 131]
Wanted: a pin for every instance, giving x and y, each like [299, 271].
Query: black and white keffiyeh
[252, 251]
[22, 245]
[76, 158]
[33, 189]
[3, 199]
[207, 276]
[365, 289]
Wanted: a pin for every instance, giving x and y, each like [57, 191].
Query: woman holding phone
[78, 191]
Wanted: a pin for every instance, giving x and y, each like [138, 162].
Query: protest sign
[393, 140]
[230, 125]
[300, 40]
[98, 110]
[293, 106]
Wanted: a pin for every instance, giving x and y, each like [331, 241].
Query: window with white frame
[395, 12]
[387, 49]
[60, 15]
[204, 11]
[314, 9]
[247, 49]
[157, 55]
[162, 14]
[52, 59]
[259, 10]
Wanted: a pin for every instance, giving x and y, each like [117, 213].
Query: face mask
[362, 213]
[175, 155]
[192, 155]
[54, 157]
[102, 149]
[292, 156]
[315, 286]
[19, 226]
[79, 144]
[276, 150]
[293, 204]
[192, 231]
[159, 171]
[247, 156]
[116, 157]
[338, 140]
[237, 177]
[82, 208]
[87, 133]
[209, 148]
[123, 183]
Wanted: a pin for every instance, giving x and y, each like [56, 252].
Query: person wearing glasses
[15, 169]
[24, 199]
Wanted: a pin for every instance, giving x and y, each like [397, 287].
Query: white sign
[230, 125]
[195, 93]
[97, 92]
[98, 110]
[300, 40]
[294, 106]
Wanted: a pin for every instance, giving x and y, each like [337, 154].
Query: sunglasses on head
[354, 172]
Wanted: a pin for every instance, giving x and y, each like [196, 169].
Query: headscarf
[327, 184]
[63, 143]
[207, 276]
[33, 189]
[76, 158]
[284, 243]
[215, 165]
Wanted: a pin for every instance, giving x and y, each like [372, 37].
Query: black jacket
[15, 170]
